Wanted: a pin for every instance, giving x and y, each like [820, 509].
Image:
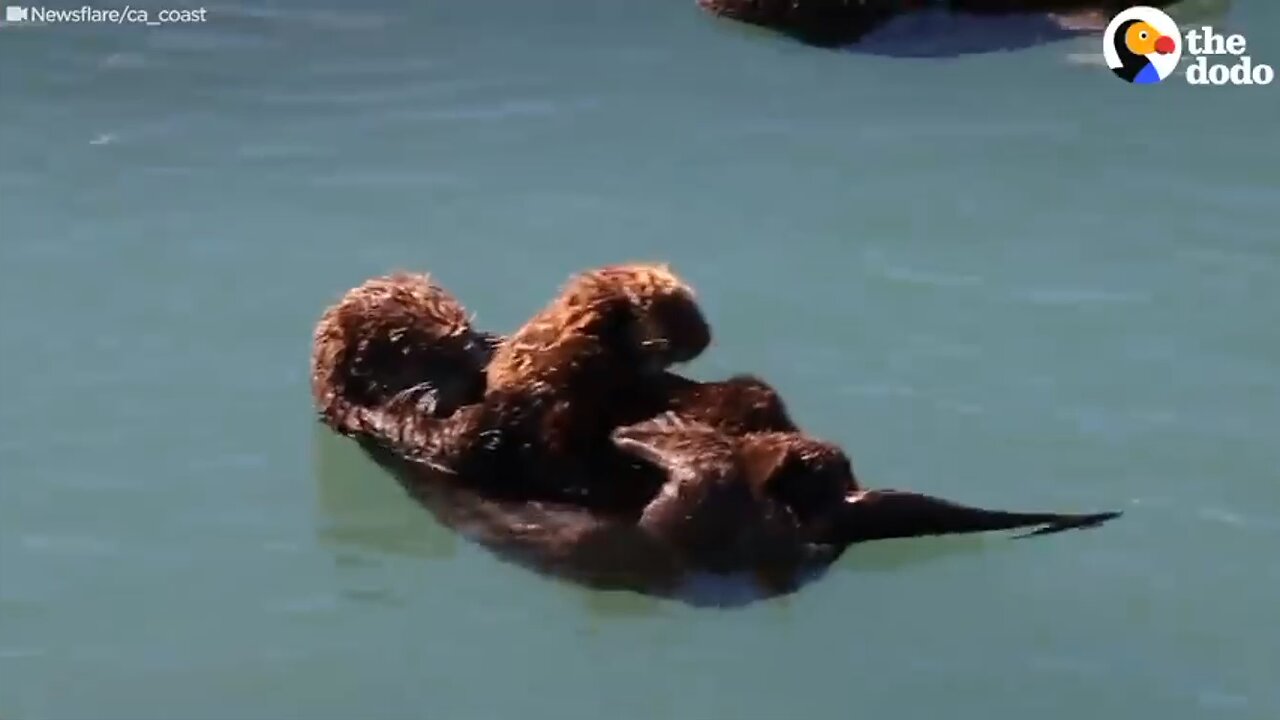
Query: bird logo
[1142, 45]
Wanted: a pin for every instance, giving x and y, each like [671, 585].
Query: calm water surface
[1005, 277]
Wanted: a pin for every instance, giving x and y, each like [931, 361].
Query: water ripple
[1081, 296]
[301, 19]
[925, 277]
[69, 545]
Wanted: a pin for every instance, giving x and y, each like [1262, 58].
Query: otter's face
[807, 475]
[668, 330]
[663, 323]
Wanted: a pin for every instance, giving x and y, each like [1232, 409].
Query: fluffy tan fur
[643, 305]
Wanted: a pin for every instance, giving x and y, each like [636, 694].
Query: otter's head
[707, 508]
[811, 477]
[646, 313]
[393, 333]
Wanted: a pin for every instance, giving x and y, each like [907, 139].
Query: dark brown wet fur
[766, 510]
[775, 504]
[603, 550]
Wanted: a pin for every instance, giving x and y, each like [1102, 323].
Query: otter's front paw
[424, 398]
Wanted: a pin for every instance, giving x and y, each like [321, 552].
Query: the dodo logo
[1142, 45]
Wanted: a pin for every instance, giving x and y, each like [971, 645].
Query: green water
[1008, 278]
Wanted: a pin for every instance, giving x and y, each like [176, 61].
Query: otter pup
[595, 346]
[776, 503]
[398, 333]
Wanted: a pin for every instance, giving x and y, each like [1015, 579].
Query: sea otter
[775, 504]
[594, 359]
[827, 23]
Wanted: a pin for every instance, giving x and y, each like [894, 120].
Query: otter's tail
[884, 514]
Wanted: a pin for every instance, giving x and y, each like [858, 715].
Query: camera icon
[15, 14]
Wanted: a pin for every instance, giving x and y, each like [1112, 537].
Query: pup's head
[644, 312]
[811, 477]
[706, 509]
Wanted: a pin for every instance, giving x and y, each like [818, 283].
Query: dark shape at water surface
[947, 28]
[939, 34]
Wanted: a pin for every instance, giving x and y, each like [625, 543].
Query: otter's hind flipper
[884, 514]
[1074, 522]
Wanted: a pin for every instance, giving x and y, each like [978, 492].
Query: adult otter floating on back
[657, 317]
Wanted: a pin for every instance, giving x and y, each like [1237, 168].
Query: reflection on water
[896, 555]
[362, 508]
